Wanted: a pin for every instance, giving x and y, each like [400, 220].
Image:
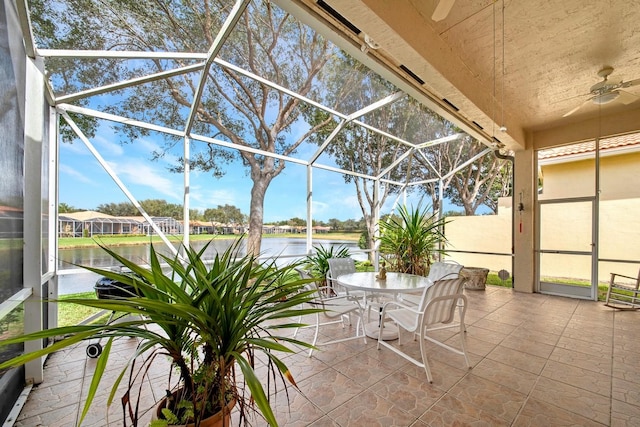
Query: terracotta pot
[214, 420]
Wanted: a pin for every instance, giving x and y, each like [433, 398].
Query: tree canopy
[241, 95]
[266, 41]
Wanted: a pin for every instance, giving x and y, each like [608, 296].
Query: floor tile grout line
[574, 324]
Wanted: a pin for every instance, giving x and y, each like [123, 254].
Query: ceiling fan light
[606, 97]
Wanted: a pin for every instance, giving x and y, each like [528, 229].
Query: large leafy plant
[317, 263]
[410, 239]
[209, 319]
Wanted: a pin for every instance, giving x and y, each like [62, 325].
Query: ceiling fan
[442, 9]
[608, 91]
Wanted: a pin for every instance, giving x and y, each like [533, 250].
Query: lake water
[285, 249]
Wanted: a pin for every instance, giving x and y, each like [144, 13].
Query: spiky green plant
[317, 263]
[208, 319]
[410, 239]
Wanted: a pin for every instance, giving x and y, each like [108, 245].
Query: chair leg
[364, 332]
[423, 353]
[464, 351]
[350, 322]
[606, 301]
[295, 332]
[315, 336]
[463, 329]
[462, 325]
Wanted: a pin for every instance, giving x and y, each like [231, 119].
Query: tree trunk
[261, 182]
[371, 244]
[256, 218]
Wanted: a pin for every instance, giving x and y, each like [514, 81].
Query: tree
[153, 207]
[226, 214]
[360, 149]
[118, 209]
[195, 215]
[297, 222]
[266, 41]
[161, 208]
[65, 208]
[334, 223]
[480, 183]
[435, 161]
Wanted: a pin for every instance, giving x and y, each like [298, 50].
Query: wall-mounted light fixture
[369, 43]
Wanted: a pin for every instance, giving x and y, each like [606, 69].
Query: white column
[187, 190]
[32, 264]
[524, 231]
[309, 245]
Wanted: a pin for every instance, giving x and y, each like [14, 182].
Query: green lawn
[72, 314]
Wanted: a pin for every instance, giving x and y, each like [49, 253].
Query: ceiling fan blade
[442, 9]
[631, 83]
[626, 97]
[577, 108]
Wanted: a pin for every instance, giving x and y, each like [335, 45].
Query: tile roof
[589, 146]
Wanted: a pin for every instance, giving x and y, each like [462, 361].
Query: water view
[286, 249]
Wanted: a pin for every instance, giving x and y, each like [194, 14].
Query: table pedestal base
[389, 332]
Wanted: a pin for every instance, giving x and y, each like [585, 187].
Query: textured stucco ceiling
[552, 52]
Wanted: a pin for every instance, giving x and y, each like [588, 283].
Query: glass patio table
[394, 285]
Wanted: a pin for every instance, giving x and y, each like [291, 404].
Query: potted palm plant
[317, 263]
[208, 319]
[410, 239]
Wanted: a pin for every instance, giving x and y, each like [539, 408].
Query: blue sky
[85, 185]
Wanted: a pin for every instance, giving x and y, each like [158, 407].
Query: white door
[567, 248]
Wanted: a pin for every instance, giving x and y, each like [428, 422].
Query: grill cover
[111, 289]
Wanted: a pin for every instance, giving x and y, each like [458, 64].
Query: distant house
[92, 223]
[269, 229]
[320, 229]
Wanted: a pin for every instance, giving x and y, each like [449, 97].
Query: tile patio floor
[537, 361]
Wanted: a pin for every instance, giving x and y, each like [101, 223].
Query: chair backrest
[440, 270]
[311, 286]
[304, 275]
[441, 310]
[340, 266]
[430, 293]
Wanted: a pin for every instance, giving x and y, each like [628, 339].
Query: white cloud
[147, 147]
[107, 147]
[75, 174]
[336, 204]
[74, 148]
[140, 174]
[205, 199]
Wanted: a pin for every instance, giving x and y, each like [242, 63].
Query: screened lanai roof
[244, 83]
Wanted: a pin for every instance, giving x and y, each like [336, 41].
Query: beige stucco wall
[486, 233]
[619, 178]
[563, 226]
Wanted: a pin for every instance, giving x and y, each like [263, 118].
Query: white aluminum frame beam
[117, 180]
[128, 83]
[204, 68]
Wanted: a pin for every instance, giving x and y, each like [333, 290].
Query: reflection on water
[285, 249]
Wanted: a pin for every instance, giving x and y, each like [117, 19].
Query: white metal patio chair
[337, 308]
[435, 311]
[438, 271]
[338, 267]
